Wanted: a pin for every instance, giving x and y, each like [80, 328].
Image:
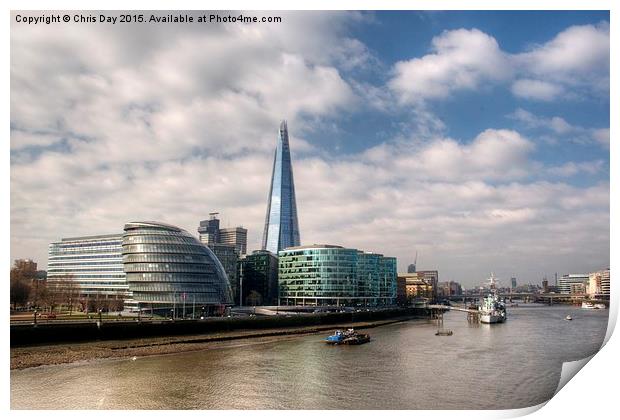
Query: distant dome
[167, 266]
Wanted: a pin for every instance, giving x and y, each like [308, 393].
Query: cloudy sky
[478, 139]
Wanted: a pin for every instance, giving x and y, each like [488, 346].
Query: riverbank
[55, 354]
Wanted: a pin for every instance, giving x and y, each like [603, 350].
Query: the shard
[281, 226]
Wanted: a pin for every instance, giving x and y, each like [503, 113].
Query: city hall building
[167, 268]
[334, 275]
[151, 265]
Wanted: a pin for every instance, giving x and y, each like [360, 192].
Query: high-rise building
[236, 236]
[168, 269]
[332, 275]
[513, 282]
[281, 226]
[27, 266]
[258, 279]
[93, 264]
[227, 244]
[209, 230]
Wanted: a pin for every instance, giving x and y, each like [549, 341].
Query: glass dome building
[167, 268]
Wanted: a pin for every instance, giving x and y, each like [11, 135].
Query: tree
[63, 290]
[38, 292]
[254, 298]
[20, 292]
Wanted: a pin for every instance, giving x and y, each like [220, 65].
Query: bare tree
[63, 290]
[38, 292]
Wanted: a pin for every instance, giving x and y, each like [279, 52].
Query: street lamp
[35, 317]
[172, 314]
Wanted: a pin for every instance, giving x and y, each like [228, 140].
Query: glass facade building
[228, 257]
[167, 268]
[333, 275]
[573, 283]
[281, 226]
[94, 263]
[258, 279]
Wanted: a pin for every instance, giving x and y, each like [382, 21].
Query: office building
[598, 284]
[281, 226]
[605, 285]
[209, 230]
[227, 245]
[513, 282]
[92, 264]
[568, 281]
[415, 286]
[448, 288]
[236, 236]
[228, 257]
[333, 275]
[258, 279]
[170, 270]
[401, 290]
[209, 233]
[432, 278]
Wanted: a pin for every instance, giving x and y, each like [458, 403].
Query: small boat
[569, 318]
[347, 337]
[599, 306]
[337, 338]
[587, 305]
[357, 339]
[444, 332]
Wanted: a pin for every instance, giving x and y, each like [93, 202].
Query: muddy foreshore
[54, 354]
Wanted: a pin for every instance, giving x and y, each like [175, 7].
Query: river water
[405, 366]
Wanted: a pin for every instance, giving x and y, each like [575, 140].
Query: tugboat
[347, 337]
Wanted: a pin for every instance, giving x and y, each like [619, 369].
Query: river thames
[405, 366]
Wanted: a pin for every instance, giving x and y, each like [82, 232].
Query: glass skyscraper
[281, 226]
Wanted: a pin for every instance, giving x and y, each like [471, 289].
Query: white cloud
[536, 89]
[575, 52]
[574, 168]
[570, 65]
[602, 136]
[460, 59]
[561, 130]
[492, 155]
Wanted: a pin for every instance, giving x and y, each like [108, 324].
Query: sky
[479, 140]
